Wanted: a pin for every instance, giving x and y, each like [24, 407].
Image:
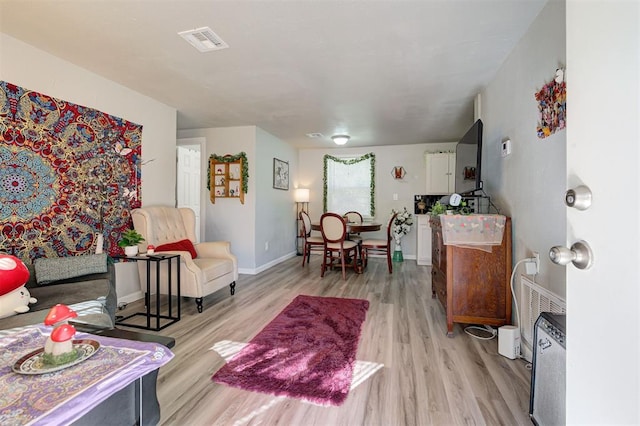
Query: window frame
[349, 160]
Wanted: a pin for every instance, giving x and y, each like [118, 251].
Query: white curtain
[349, 185]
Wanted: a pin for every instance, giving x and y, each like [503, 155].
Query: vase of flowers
[401, 227]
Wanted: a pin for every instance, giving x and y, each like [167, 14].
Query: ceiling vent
[203, 39]
[315, 135]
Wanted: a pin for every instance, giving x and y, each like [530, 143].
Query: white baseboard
[132, 297]
[255, 271]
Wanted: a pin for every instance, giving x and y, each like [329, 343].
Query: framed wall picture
[280, 174]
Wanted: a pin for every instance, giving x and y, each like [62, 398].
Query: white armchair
[214, 266]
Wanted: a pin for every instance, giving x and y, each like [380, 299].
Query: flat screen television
[469, 160]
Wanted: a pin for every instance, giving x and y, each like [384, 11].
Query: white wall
[268, 214]
[33, 69]
[529, 185]
[275, 208]
[411, 157]
[227, 219]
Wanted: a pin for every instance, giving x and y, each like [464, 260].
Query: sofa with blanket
[87, 283]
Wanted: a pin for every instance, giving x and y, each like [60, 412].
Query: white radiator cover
[535, 299]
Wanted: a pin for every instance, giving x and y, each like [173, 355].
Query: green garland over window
[350, 161]
[230, 159]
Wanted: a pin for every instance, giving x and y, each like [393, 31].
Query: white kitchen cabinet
[423, 256]
[441, 168]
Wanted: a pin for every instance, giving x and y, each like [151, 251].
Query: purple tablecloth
[63, 396]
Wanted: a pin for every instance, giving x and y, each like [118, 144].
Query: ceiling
[385, 72]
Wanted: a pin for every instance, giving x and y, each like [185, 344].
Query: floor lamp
[301, 197]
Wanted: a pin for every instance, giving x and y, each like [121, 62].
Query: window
[349, 184]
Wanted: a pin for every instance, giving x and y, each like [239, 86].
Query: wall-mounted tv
[469, 160]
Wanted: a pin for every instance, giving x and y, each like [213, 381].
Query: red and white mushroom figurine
[13, 272]
[14, 296]
[59, 313]
[58, 348]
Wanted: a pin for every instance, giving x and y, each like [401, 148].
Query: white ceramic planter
[131, 250]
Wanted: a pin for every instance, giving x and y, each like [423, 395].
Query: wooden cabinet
[424, 240]
[472, 285]
[441, 168]
[226, 180]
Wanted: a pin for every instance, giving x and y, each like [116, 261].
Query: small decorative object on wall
[227, 176]
[69, 175]
[469, 173]
[398, 172]
[280, 174]
[552, 106]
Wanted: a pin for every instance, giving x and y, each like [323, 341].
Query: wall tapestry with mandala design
[68, 174]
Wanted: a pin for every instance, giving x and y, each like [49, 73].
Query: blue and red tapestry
[67, 174]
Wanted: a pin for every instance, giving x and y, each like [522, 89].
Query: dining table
[353, 227]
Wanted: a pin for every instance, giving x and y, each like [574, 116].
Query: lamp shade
[301, 195]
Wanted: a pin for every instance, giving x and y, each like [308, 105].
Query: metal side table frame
[156, 259]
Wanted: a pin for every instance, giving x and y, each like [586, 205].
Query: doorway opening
[188, 185]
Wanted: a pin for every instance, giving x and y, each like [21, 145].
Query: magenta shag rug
[307, 352]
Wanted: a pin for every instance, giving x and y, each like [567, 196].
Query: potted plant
[437, 209]
[130, 240]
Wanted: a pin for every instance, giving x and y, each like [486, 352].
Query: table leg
[148, 295]
[158, 294]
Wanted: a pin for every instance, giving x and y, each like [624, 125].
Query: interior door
[188, 176]
[603, 302]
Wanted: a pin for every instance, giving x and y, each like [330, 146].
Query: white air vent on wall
[203, 39]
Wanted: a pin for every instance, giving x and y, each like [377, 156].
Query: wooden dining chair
[310, 242]
[353, 217]
[379, 246]
[336, 246]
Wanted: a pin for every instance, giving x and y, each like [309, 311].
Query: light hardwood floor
[427, 379]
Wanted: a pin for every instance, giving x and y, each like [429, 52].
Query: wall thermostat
[506, 147]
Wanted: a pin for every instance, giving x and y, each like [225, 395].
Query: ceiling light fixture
[340, 139]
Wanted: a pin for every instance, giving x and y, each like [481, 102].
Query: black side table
[157, 260]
